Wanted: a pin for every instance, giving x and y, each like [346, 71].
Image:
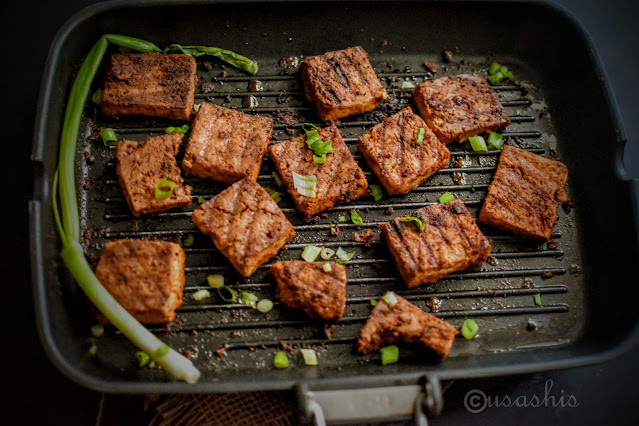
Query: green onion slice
[494, 140]
[326, 253]
[420, 136]
[537, 298]
[97, 330]
[390, 298]
[446, 197]
[341, 219]
[390, 354]
[108, 136]
[356, 218]
[310, 357]
[494, 67]
[215, 281]
[164, 189]
[478, 143]
[264, 305]
[143, 358]
[305, 185]
[469, 329]
[497, 73]
[97, 97]
[408, 85]
[310, 253]
[196, 107]
[278, 179]
[342, 256]
[248, 297]
[226, 293]
[376, 191]
[280, 360]
[321, 159]
[201, 294]
[319, 147]
[275, 195]
[373, 302]
[188, 240]
[171, 130]
[327, 267]
[201, 200]
[417, 221]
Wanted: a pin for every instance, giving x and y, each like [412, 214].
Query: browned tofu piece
[341, 83]
[524, 194]
[451, 241]
[305, 286]
[142, 165]
[459, 106]
[149, 84]
[405, 322]
[339, 179]
[398, 161]
[226, 145]
[245, 224]
[145, 277]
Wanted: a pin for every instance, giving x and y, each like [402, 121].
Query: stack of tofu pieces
[248, 227]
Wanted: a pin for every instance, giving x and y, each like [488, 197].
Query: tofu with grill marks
[341, 83]
[524, 194]
[459, 106]
[145, 277]
[405, 322]
[305, 286]
[149, 84]
[245, 224]
[140, 166]
[391, 150]
[451, 241]
[339, 179]
[226, 145]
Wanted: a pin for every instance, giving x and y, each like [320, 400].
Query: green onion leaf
[97, 330]
[108, 136]
[341, 219]
[310, 357]
[373, 302]
[390, 298]
[171, 130]
[469, 329]
[164, 189]
[232, 58]
[494, 140]
[188, 240]
[494, 67]
[248, 297]
[230, 293]
[97, 97]
[356, 218]
[310, 126]
[201, 295]
[327, 253]
[275, 195]
[143, 358]
[327, 267]
[376, 191]
[305, 185]
[342, 256]
[537, 298]
[408, 85]
[215, 281]
[310, 253]
[417, 221]
[446, 197]
[390, 354]
[278, 179]
[280, 360]
[478, 143]
[264, 305]
[420, 136]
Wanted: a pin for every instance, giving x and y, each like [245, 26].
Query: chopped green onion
[342, 256]
[280, 360]
[420, 136]
[373, 302]
[390, 354]
[376, 191]
[498, 72]
[478, 143]
[310, 253]
[417, 221]
[356, 218]
[341, 219]
[97, 330]
[188, 241]
[276, 196]
[164, 189]
[310, 125]
[230, 296]
[201, 200]
[321, 159]
[201, 294]
[494, 67]
[314, 142]
[408, 85]
[446, 197]
[327, 267]
[228, 56]
[278, 179]
[171, 130]
[264, 305]
[152, 364]
[469, 329]
[215, 281]
[494, 140]
[143, 358]
[108, 136]
[390, 298]
[310, 357]
[93, 349]
[326, 253]
[305, 185]
[537, 298]
[196, 107]
[249, 297]
[97, 97]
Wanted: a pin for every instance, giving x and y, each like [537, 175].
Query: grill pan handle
[378, 404]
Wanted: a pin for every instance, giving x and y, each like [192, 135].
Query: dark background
[36, 393]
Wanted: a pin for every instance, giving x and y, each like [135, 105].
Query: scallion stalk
[310, 253]
[477, 143]
[232, 58]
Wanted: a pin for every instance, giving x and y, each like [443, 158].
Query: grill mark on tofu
[334, 66]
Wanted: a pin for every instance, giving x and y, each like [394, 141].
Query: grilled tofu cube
[451, 241]
[142, 165]
[341, 83]
[245, 224]
[524, 194]
[391, 150]
[145, 277]
[405, 322]
[339, 179]
[305, 286]
[459, 106]
[149, 84]
[226, 145]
